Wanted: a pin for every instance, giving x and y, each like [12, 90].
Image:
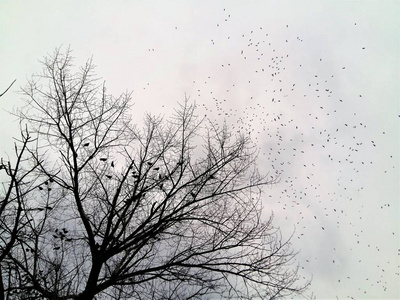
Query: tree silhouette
[111, 210]
[18, 183]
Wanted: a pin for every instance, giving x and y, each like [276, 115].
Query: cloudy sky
[315, 83]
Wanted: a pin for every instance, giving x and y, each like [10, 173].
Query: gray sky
[327, 120]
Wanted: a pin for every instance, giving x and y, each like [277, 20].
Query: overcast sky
[315, 83]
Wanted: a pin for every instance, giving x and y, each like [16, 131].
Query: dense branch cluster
[96, 207]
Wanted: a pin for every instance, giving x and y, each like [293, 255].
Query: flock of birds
[321, 140]
[318, 141]
[319, 137]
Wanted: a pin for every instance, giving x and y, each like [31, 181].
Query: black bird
[109, 176]
[103, 159]
[112, 164]
[85, 144]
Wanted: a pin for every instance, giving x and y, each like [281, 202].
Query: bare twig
[8, 88]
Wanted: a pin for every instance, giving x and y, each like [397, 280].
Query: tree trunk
[91, 285]
[1, 285]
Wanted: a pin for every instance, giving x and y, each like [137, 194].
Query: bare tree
[19, 181]
[170, 210]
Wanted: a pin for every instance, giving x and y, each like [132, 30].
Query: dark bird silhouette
[103, 159]
[86, 144]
